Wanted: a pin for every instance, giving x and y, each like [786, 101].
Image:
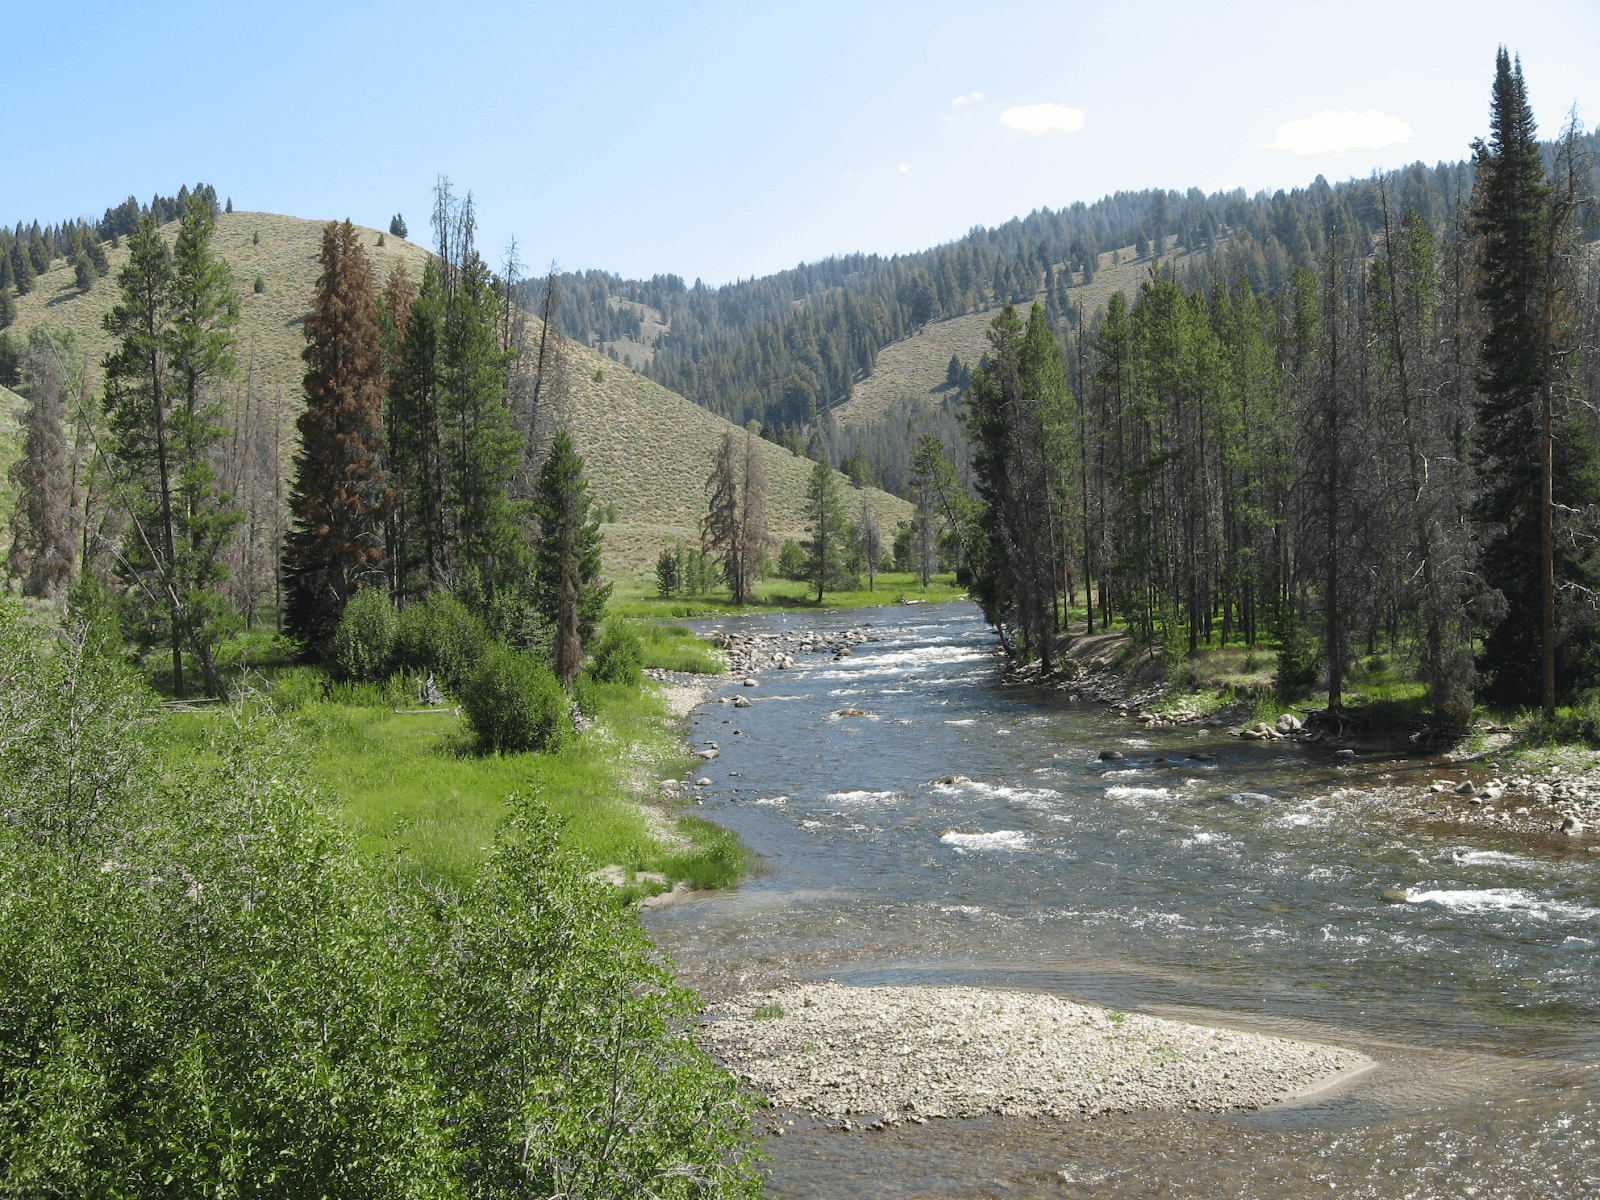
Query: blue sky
[725, 140]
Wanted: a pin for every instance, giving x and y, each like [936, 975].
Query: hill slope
[649, 449]
[914, 367]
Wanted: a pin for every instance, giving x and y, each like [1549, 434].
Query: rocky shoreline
[899, 1054]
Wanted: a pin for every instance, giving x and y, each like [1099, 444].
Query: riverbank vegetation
[209, 988]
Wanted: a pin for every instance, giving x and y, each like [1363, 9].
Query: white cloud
[969, 98]
[905, 168]
[1041, 118]
[1335, 132]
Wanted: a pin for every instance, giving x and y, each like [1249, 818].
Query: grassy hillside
[914, 367]
[649, 449]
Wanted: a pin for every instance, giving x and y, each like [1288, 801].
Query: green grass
[414, 789]
[674, 648]
[781, 594]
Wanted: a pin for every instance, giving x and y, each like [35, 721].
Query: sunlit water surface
[1242, 890]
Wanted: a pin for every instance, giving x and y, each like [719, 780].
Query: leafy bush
[363, 645]
[208, 990]
[618, 657]
[514, 704]
[440, 635]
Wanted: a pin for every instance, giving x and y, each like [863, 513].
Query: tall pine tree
[1529, 465]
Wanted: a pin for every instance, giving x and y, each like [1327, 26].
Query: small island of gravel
[963, 1052]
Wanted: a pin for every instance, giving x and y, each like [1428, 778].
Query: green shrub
[297, 687]
[618, 657]
[440, 635]
[1299, 656]
[363, 645]
[792, 561]
[514, 704]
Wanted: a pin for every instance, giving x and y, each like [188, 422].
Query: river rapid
[1242, 891]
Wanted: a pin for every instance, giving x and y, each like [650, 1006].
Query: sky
[720, 140]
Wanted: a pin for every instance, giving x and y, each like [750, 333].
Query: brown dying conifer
[341, 495]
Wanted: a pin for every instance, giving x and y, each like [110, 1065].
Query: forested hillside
[782, 348]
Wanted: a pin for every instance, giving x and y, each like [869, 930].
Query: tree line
[1395, 450]
[784, 348]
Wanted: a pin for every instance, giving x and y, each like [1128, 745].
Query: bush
[363, 645]
[792, 561]
[1299, 656]
[441, 635]
[259, 286]
[618, 657]
[514, 704]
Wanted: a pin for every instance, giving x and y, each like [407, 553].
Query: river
[1239, 891]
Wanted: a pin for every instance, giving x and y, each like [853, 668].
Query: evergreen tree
[8, 309]
[1526, 470]
[415, 437]
[734, 527]
[342, 495]
[828, 526]
[482, 451]
[138, 405]
[397, 225]
[568, 593]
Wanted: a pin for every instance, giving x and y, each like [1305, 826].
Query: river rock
[1571, 826]
[740, 702]
[852, 712]
[952, 780]
[1287, 723]
[704, 781]
[1468, 788]
[1344, 755]
[1396, 896]
[752, 683]
[706, 755]
[1111, 756]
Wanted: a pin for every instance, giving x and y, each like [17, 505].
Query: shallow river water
[1240, 891]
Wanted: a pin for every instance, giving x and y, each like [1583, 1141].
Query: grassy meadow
[417, 791]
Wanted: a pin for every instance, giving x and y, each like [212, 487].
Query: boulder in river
[952, 780]
[1287, 723]
[1344, 755]
[1468, 788]
[1396, 896]
[752, 683]
[852, 712]
[1571, 826]
[740, 702]
[1111, 756]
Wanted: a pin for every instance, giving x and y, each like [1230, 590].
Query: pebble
[964, 1052]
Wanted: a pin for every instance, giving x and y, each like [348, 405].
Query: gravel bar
[916, 1052]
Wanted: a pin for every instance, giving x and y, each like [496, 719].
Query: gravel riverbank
[910, 1053]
